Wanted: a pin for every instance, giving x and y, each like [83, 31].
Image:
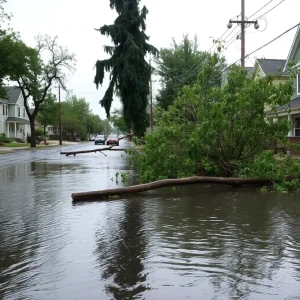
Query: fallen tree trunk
[98, 195]
[67, 153]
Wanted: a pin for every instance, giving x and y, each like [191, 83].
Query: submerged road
[36, 154]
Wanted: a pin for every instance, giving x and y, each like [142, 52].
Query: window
[298, 82]
[24, 113]
[5, 110]
[297, 126]
[19, 112]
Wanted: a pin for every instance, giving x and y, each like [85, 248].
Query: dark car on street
[112, 139]
[100, 139]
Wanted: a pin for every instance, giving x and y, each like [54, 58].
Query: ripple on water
[165, 244]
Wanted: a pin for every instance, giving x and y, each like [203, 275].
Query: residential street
[22, 155]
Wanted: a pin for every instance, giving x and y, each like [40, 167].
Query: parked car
[112, 139]
[100, 139]
[92, 138]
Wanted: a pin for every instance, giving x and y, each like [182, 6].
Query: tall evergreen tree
[130, 73]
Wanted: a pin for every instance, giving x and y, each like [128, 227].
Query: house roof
[16, 120]
[272, 66]
[294, 104]
[293, 48]
[13, 94]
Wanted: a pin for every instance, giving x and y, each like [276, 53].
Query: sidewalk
[50, 143]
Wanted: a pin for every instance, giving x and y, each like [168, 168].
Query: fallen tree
[104, 194]
[67, 153]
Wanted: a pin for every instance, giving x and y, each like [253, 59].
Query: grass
[16, 145]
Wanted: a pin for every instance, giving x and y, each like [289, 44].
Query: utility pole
[59, 116]
[151, 108]
[243, 34]
[243, 23]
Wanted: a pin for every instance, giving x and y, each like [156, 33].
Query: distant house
[292, 111]
[275, 67]
[14, 122]
[263, 67]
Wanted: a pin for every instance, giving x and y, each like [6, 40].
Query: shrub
[4, 139]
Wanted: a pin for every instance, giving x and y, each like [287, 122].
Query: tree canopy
[41, 74]
[179, 65]
[118, 121]
[209, 130]
[75, 115]
[78, 119]
[130, 73]
[48, 113]
[14, 54]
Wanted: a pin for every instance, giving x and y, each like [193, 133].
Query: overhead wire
[269, 10]
[260, 15]
[191, 72]
[266, 44]
[197, 67]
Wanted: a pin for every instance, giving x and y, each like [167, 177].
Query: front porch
[17, 128]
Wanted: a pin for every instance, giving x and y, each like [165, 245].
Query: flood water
[194, 242]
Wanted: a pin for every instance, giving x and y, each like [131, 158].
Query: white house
[14, 122]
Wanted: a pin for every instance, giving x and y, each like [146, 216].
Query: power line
[197, 67]
[261, 9]
[223, 33]
[193, 69]
[268, 43]
[269, 10]
[236, 27]
[263, 46]
[231, 41]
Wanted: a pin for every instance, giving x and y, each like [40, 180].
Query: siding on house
[297, 54]
[296, 59]
[16, 123]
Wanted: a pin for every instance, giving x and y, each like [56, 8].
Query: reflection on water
[121, 251]
[193, 242]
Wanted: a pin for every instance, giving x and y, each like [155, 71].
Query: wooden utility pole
[243, 23]
[243, 34]
[59, 117]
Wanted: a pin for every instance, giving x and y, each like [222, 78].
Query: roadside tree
[118, 121]
[45, 67]
[214, 131]
[48, 113]
[179, 65]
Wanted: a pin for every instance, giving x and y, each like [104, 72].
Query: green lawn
[16, 145]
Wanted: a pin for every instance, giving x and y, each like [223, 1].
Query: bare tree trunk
[45, 142]
[67, 153]
[32, 129]
[104, 194]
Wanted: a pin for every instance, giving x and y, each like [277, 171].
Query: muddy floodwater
[194, 242]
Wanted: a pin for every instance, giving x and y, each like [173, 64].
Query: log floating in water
[98, 195]
[67, 153]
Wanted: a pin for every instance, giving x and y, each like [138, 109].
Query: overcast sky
[74, 22]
